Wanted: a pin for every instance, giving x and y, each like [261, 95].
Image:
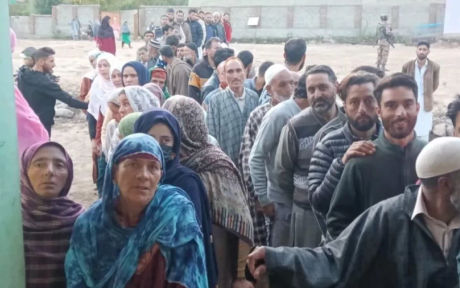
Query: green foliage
[19, 9]
[45, 6]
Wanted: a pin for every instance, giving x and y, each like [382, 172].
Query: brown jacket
[178, 73]
[430, 81]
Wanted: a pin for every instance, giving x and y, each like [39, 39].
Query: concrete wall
[33, 26]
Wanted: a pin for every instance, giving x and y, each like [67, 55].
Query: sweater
[368, 180]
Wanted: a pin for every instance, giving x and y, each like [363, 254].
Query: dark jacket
[220, 32]
[368, 180]
[383, 247]
[197, 33]
[198, 77]
[211, 31]
[41, 93]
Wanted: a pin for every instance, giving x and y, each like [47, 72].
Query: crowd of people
[198, 157]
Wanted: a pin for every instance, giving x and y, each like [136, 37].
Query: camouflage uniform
[383, 50]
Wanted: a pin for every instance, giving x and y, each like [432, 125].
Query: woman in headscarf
[126, 126]
[48, 215]
[156, 90]
[158, 76]
[105, 38]
[141, 233]
[134, 73]
[125, 35]
[89, 77]
[226, 191]
[163, 126]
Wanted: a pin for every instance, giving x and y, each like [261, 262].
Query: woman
[158, 76]
[105, 38]
[126, 125]
[163, 126]
[48, 215]
[225, 187]
[89, 77]
[125, 35]
[155, 90]
[134, 73]
[141, 233]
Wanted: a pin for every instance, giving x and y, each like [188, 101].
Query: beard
[401, 127]
[322, 105]
[363, 123]
[422, 57]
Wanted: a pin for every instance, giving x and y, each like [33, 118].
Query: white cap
[272, 71]
[439, 157]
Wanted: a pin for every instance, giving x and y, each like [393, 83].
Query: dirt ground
[72, 64]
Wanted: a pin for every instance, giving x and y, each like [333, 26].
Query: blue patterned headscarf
[104, 254]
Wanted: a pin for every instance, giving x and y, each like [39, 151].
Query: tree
[45, 6]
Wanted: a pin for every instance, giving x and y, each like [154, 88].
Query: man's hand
[359, 149]
[269, 210]
[256, 263]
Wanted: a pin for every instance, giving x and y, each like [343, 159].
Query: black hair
[294, 50]
[179, 11]
[192, 46]
[210, 41]
[172, 40]
[393, 81]
[426, 43]
[322, 69]
[192, 10]
[301, 89]
[453, 109]
[370, 69]
[167, 51]
[246, 57]
[170, 10]
[180, 45]
[166, 28]
[355, 79]
[43, 52]
[263, 68]
[222, 55]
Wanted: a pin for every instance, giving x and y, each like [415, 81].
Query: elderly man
[410, 240]
[280, 84]
[368, 180]
[177, 70]
[229, 110]
[354, 139]
[294, 152]
[453, 112]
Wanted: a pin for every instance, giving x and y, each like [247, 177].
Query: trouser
[279, 234]
[305, 231]
[101, 165]
[382, 54]
[92, 122]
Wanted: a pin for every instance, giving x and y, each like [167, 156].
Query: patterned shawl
[47, 225]
[104, 254]
[225, 187]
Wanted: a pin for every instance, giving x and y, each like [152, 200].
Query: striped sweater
[326, 166]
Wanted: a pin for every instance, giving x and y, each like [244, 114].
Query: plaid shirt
[226, 121]
[249, 136]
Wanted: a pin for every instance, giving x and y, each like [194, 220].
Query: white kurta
[425, 118]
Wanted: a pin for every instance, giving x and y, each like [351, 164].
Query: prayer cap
[439, 157]
[155, 44]
[28, 52]
[272, 71]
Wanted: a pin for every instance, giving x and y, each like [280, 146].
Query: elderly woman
[141, 233]
[226, 191]
[134, 73]
[48, 215]
[163, 126]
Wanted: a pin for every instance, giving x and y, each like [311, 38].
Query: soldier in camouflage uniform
[384, 40]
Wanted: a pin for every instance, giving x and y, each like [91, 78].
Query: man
[220, 29]
[280, 84]
[229, 110]
[173, 41]
[182, 24]
[195, 28]
[257, 83]
[410, 240]
[170, 14]
[426, 74]
[294, 152]
[203, 70]
[228, 28]
[453, 112]
[164, 20]
[384, 40]
[222, 85]
[148, 35]
[248, 59]
[41, 91]
[76, 26]
[211, 30]
[354, 139]
[294, 54]
[154, 53]
[177, 70]
[167, 31]
[368, 180]
[213, 82]
[188, 53]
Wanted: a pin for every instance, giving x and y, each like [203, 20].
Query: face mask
[167, 151]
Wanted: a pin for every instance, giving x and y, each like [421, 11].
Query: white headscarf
[100, 89]
[140, 98]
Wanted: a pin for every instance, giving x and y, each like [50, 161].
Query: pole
[11, 242]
